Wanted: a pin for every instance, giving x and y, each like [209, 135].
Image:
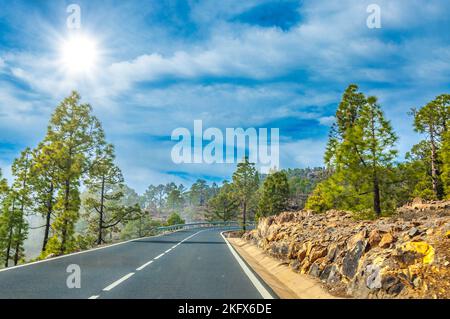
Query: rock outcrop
[404, 256]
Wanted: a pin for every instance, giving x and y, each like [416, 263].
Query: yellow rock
[422, 248]
[378, 261]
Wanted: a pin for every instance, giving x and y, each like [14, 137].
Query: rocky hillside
[405, 256]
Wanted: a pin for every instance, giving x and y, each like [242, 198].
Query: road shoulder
[286, 283]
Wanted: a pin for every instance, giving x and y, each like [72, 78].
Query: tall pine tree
[360, 152]
[432, 120]
[274, 194]
[245, 184]
[77, 136]
[223, 205]
[103, 203]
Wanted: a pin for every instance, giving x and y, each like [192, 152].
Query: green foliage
[360, 175]
[21, 197]
[327, 195]
[175, 199]
[141, 227]
[360, 151]
[445, 158]
[16, 201]
[302, 182]
[433, 120]
[245, 184]
[77, 138]
[174, 219]
[44, 183]
[198, 193]
[13, 230]
[274, 195]
[223, 205]
[104, 210]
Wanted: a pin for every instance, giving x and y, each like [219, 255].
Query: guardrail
[204, 224]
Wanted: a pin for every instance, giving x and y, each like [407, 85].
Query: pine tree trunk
[434, 177]
[17, 252]
[48, 218]
[244, 215]
[100, 222]
[8, 247]
[376, 195]
[66, 208]
[22, 210]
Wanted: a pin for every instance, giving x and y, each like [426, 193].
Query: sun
[79, 54]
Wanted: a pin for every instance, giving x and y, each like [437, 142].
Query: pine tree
[5, 222]
[77, 136]
[245, 184]
[104, 184]
[432, 120]
[3, 187]
[224, 204]
[199, 193]
[442, 104]
[7, 228]
[378, 151]
[21, 192]
[274, 194]
[416, 172]
[445, 157]
[44, 172]
[174, 199]
[360, 152]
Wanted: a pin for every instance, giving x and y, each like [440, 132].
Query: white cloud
[302, 153]
[330, 48]
[327, 120]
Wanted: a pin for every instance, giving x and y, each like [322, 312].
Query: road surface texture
[187, 264]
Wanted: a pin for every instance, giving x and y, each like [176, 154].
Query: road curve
[182, 265]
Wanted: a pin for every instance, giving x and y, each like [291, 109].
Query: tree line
[72, 181]
[367, 176]
[47, 181]
[250, 195]
[362, 173]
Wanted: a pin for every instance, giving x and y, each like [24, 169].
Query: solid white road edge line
[118, 282]
[258, 285]
[94, 297]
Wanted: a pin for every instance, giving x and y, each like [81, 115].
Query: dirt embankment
[404, 256]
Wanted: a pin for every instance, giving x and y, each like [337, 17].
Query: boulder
[373, 280]
[374, 238]
[351, 260]
[317, 252]
[386, 240]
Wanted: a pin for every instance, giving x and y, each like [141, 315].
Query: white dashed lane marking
[144, 265]
[118, 282]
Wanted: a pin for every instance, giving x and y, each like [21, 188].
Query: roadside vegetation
[71, 180]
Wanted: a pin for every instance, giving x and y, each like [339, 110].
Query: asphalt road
[182, 265]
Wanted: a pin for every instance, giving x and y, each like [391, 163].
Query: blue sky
[229, 63]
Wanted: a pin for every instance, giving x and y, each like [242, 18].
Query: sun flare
[79, 54]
